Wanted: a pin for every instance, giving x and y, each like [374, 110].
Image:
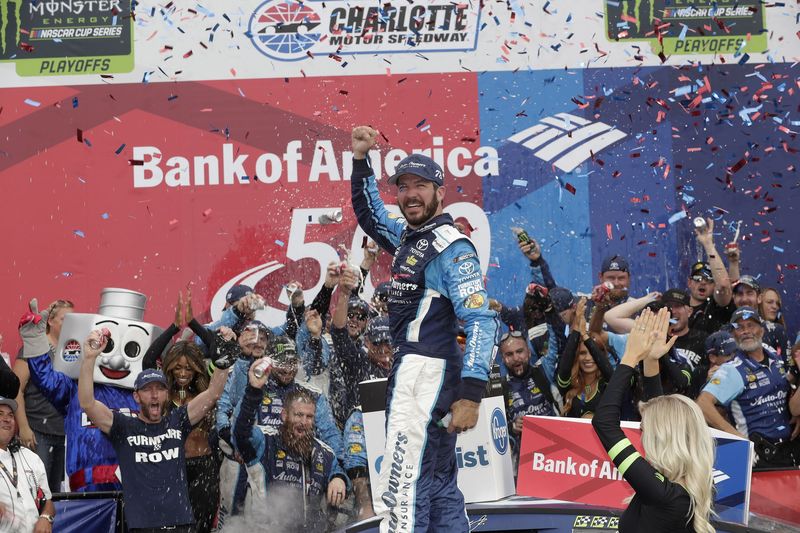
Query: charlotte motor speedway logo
[567, 140]
[288, 30]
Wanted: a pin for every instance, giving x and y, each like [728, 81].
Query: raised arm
[100, 415]
[201, 404]
[248, 441]
[565, 362]
[372, 215]
[723, 293]
[619, 318]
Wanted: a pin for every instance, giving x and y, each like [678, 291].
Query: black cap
[378, 330]
[746, 313]
[720, 343]
[747, 281]
[675, 296]
[419, 165]
[701, 270]
[283, 349]
[357, 304]
[614, 263]
[562, 298]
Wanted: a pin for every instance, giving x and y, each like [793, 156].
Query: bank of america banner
[154, 186]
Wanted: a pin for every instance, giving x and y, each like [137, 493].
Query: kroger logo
[499, 431]
[284, 29]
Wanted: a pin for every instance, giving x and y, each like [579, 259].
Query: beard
[299, 446]
[428, 213]
[750, 345]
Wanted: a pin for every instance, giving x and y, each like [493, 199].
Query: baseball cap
[701, 270]
[720, 343]
[9, 402]
[378, 330]
[745, 313]
[382, 290]
[284, 349]
[236, 293]
[357, 304]
[562, 298]
[151, 375]
[419, 165]
[614, 263]
[748, 281]
[675, 296]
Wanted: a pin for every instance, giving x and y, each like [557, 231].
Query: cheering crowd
[247, 425]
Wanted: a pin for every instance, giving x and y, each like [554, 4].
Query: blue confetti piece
[744, 59]
[279, 242]
[79, 233]
[520, 183]
[120, 149]
[104, 216]
[677, 216]
[682, 36]
[32, 103]
[778, 249]
[74, 102]
[87, 142]
[66, 274]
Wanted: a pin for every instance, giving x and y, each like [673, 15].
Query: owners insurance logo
[287, 30]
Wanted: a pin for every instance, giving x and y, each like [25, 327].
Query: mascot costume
[91, 462]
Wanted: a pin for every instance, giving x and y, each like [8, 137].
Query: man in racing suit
[436, 281]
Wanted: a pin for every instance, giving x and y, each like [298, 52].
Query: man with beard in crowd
[290, 471]
[526, 388]
[150, 446]
[755, 388]
[436, 281]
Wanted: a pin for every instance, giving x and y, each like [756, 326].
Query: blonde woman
[673, 486]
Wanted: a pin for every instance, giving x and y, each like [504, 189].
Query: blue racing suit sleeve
[58, 388]
[725, 385]
[355, 453]
[249, 439]
[314, 354]
[471, 305]
[383, 227]
[327, 430]
[231, 395]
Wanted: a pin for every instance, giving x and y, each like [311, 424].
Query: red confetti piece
[80, 135]
[570, 188]
[608, 232]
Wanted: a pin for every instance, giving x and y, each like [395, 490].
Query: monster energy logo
[636, 7]
[73, 7]
[4, 24]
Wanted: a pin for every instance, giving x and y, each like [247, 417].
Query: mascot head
[121, 312]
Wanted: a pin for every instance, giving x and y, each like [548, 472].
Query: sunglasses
[357, 316]
[510, 335]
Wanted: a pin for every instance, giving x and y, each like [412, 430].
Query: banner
[57, 42]
[153, 186]
[562, 459]
[85, 516]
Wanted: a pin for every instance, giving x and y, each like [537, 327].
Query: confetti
[104, 216]
[676, 217]
[32, 103]
[79, 233]
[280, 243]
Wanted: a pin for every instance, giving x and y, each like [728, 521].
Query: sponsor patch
[475, 301]
[464, 257]
[466, 269]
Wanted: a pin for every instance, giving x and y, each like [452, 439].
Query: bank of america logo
[720, 476]
[567, 140]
